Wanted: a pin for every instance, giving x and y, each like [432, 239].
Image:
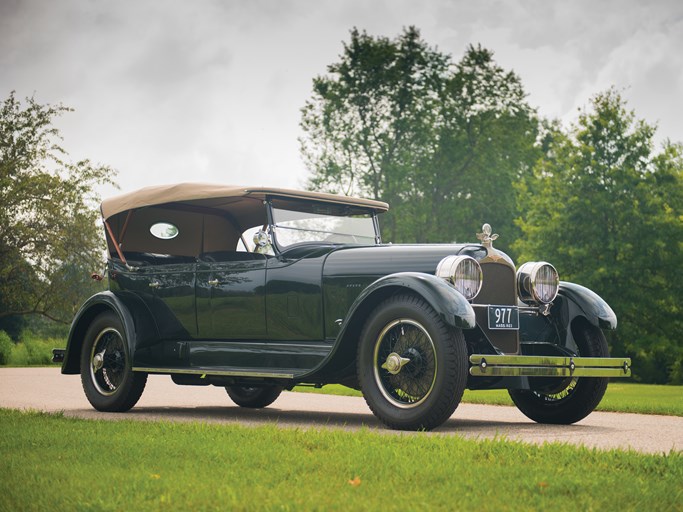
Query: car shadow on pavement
[266, 416]
[340, 420]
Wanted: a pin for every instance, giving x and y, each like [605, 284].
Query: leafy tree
[486, 144]
[49, 240]
[13, 326]
[396, 120]
[607, 210]
[370, 124]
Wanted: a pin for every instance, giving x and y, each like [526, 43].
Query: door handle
[154, 284]
[214, 282]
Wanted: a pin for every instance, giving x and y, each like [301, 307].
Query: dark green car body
[240, 317]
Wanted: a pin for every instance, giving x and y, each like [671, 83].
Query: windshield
[296, 223]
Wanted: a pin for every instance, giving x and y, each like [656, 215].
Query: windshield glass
[319, 222]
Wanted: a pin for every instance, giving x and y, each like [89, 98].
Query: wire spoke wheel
[254, 397]
[108, 380]
[571, 399]
[409, 343]
[563, 393]
[108, 361]
[411, 365]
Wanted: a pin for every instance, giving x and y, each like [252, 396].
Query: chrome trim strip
[546, 371]
[208, 371]
[502, 360]
[549, 366]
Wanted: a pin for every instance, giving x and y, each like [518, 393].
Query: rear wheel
[108, 381]
[412, 366]
[253, 397]
[572, 399]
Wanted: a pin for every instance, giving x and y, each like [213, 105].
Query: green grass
[620, 397]
[56, 463]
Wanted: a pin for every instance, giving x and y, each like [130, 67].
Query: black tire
[108, 380]
[253, 397]
[412, 366]
[572, 399]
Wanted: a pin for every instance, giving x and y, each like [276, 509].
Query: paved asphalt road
[47, 390]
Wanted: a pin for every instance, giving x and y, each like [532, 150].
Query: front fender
[137, 326]
[584, 302]
[441, 296]
[446, 301]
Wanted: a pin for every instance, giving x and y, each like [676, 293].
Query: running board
[485, 365]
[216, 371]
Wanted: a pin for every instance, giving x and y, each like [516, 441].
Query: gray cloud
[172, 91]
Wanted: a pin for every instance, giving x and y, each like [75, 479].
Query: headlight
[463, 272]
[537, 282]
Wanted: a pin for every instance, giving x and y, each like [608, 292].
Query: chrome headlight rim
[463, 272]
[529, 290]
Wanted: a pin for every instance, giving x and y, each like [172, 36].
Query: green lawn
[620, 397]
[54, 463]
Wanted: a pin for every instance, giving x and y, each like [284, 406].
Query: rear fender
[138, 326]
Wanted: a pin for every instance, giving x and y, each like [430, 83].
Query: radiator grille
[498, 288]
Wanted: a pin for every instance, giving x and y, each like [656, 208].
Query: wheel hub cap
[98, 361]
[394, 363]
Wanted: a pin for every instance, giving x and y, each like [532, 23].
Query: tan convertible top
[185, 192]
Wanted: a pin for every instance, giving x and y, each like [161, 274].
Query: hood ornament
[486, 237]
[493, 255]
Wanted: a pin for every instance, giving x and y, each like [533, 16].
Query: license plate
[503, 317]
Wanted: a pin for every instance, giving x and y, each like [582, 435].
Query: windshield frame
[273, 227]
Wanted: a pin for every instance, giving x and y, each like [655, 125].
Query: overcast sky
[211, 90]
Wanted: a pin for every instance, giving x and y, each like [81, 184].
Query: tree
[397, 121]
[486, 144]
[607, 210]
[48, 230]
[370, 124]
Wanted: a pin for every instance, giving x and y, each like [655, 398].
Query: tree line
[450, 145]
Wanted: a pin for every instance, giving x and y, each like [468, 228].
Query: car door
[231, 296]
[166, 285]
[173, 287]
[294, 295]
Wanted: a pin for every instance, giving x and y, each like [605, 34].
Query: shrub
[6, 347]
[30, 351]
[39, 351]
[19, 355]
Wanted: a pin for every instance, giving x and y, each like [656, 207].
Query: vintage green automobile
[258, 290]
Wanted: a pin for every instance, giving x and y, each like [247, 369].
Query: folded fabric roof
[194, 193]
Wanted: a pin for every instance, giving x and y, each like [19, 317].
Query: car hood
[382, 260]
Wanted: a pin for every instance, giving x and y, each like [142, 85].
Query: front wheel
[253, 397]
[572, 399]
[412, 366]
[108, 380]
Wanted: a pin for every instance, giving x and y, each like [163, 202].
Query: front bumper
[485, 365]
